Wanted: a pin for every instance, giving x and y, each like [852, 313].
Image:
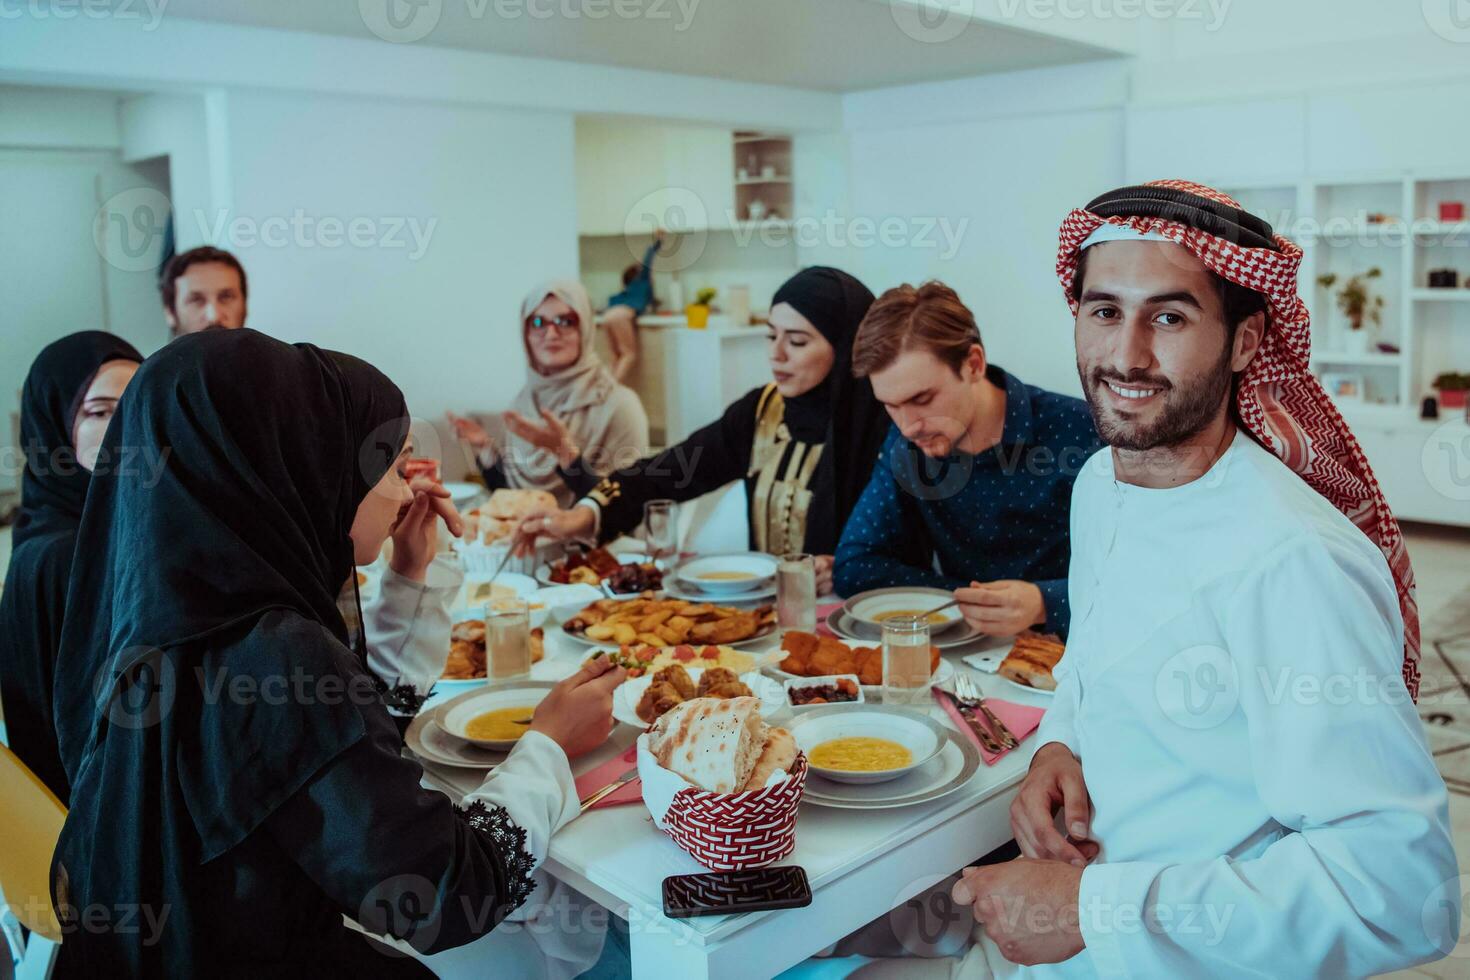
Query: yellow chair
[32, 817]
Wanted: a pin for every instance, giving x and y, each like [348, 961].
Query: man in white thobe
[1241, 777]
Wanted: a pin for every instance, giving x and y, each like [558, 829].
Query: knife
[612, 787]
[987, 740]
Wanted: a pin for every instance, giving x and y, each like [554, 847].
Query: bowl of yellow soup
[867, 744]
[493, 717]
[878, 606]
[745, 571]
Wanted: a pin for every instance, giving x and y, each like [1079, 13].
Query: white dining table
[860, 863]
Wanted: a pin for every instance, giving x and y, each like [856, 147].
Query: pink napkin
[822, 613]
[1021, 719]
[594, 779]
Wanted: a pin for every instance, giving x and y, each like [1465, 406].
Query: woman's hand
[470, 432]
[416, 533]
[577, 713]
[552, 436]
[824, 565]
[559, 525]
[1053, 783]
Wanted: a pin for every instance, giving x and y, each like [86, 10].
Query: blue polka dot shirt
[999, 514]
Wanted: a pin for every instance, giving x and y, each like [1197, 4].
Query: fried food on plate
[467, 650]
[641, 660]
[678, 678]
[809, 655]
[1032, 660]
[651, 621]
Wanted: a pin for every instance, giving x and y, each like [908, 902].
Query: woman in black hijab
[241, 786]
[804, 444]
[66, 404]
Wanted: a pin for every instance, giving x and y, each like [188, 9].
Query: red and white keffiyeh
[1280, 401]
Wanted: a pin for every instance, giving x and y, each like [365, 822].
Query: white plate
[543, 571]
[759, 571]
[849, 629]
[771, 665]
[912, 728]
[674, 588]
[477, 587]
[866, 607]
[626, 697]
[464, 494]
[954, 767]
[989, 663]
[433, 744]
[455, 713]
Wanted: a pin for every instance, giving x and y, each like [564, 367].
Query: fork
[987, 741]
[969, 696]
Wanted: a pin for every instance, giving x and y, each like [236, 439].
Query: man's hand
[824, 565]
[559, 525]
[1053, 783]
[416, 534]
[1028, 907]
[552, 435]
[1002, 608]
[577, 713]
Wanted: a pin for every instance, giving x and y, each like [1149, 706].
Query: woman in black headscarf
[66, 405]
[804, 444]
[241, 786]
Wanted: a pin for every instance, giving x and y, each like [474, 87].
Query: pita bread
[514, 505]
[779, 754]
[712, 743]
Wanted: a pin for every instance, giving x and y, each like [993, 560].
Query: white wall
[488, 189]
[1000, 160]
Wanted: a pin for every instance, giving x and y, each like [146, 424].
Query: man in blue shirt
[974, 483]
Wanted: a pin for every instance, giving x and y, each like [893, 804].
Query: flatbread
[712, 743]
[514, 505]
[779, 754]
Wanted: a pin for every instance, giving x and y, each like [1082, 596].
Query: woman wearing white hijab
[599, 424]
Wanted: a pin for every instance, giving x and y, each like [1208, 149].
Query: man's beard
[1187, 408]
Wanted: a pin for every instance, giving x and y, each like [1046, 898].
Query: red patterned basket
[735, 831]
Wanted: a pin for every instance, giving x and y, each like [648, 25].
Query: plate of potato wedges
[655, 622]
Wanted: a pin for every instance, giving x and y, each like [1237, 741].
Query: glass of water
[661, 528]
[796, 593]
[507, 639]
[906, 668]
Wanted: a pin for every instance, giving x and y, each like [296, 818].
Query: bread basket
[723, 831]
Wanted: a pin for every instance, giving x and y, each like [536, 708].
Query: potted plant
[1451, 388]
[698, 311]
[1357, 304]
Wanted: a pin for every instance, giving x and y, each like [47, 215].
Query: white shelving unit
[1330, 218]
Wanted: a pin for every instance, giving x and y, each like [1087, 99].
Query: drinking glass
[507, 639]
[906, 667]
[796, 593]
[660, 529]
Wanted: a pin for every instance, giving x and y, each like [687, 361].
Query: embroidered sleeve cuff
[508, 841]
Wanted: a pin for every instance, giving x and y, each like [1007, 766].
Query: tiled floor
[1442, 566]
